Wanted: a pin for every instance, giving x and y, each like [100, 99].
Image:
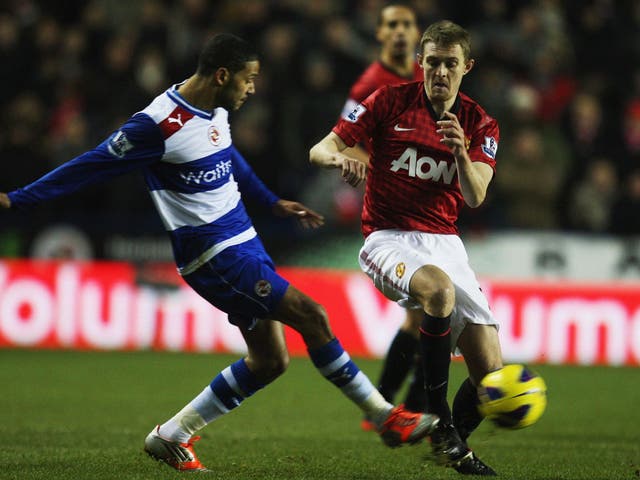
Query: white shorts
[391, 257]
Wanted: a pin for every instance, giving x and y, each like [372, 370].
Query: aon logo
[425, 168]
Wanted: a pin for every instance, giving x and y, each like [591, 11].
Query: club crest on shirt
[400, 269]
[490, 147]
[214, 136]
[262, 288]
[355, 113]
[119, 144]
[467, 142]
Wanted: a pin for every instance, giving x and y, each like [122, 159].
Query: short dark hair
[225, 50]
[398, 4]
[446, 33]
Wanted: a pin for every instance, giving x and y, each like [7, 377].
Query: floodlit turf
[75, 415]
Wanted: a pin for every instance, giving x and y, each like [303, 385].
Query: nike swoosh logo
[398, 128]
[436, 387]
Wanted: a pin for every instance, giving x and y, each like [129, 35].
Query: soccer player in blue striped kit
[196, 178]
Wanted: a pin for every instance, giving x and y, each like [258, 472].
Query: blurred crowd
[562, 77]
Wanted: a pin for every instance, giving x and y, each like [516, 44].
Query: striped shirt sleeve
[137, 143]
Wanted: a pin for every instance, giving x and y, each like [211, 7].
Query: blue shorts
[241, 281]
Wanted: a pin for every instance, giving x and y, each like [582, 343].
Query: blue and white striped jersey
[194, 174]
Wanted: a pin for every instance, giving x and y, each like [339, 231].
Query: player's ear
[419, 58]
[468, 65]
[221, 76]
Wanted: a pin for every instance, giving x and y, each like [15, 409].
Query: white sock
[376, 407]
[182, 426]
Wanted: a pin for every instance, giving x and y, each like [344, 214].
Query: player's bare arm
[327, 153]
[474, 177]
[5, 201]
[358, 153]
[307, 217]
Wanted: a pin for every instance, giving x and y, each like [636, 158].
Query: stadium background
[561, 77]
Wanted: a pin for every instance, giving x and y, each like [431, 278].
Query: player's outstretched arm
[327, 153]
[307, 217]
[138, 143]
[5, 201]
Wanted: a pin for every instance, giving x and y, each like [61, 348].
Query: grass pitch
[84, 415]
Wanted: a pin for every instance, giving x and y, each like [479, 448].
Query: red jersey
[412, 182]
[375, 76]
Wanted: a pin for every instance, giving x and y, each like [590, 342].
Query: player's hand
[354, 171]
[5, 201]
[452, 134]
[307, 217]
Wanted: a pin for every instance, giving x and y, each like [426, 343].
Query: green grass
[81, 415]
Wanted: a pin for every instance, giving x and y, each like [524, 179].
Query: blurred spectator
[625, 213]
[151, 71]
[529, 178]
[585, 128]
[188, 23]
[12, 55]
[591, 200]
[112, 90]
[631, 127]
[595, 29]
[152, 30]
[22, 128]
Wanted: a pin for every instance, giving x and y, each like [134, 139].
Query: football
[512, 397]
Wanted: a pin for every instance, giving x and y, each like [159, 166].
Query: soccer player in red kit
[433, 151]
[398, 35]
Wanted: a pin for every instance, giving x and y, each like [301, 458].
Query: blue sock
[227, 391]
[337, 367]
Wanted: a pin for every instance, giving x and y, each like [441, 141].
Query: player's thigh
[267, 349]
[242, 282]
[480, 346]
[408, 267]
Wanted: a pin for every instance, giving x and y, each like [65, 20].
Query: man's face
[398, 32]
[444, 67]
[239, 86]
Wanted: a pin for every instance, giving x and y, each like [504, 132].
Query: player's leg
[267, 359]
[475, 334]
[481, 349]
[416, 398]
[403, 266]
[241, 281]
[310, 319]
[398, 362]
[401, 356]
[479, 344]
[433, 289]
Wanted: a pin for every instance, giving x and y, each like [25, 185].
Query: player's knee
[434, 290]
[441, 300]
